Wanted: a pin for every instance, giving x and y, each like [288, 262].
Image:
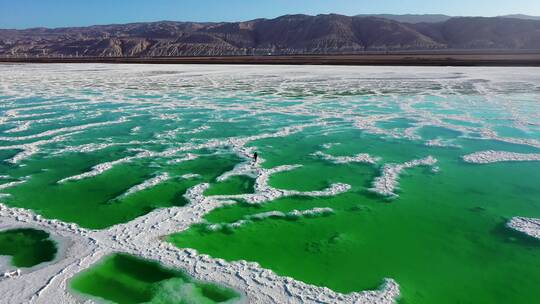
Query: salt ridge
[66, 129]
[358, 158]
[273, 214]
[237, 144]
[11, 184]
[97, 169]
[146, 184]
[189, 176]
[264, 192]
[529, 226]
[91, 147]
[32, 148]
[491, 156]
[23, 126]
[388, 181]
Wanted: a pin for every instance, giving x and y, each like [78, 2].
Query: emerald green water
[240, 184]
[443, 239]
[27, 247]
[121, 278]
[92, 202]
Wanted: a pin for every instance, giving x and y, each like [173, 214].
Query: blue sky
[57, 13]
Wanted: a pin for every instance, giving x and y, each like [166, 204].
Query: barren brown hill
[286, 35]
[484, 33]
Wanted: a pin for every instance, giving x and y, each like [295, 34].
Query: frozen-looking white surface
[358, 158]
[273, 214]
[490, 156]
[529, 226]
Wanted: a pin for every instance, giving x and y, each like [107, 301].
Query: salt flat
[372, 183]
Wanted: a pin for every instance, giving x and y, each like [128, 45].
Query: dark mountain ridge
[285, 35]
[411, 18]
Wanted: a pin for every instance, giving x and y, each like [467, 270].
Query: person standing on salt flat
[255, 156]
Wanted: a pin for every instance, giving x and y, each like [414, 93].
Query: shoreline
[525, 59]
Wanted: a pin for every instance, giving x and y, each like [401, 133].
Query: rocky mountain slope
[286, 35]
[411, 18]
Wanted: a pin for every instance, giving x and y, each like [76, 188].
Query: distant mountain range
[521, 16]
[432, 18]
[411, 18]
[285, 35]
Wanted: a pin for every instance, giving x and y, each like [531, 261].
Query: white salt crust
[28, 80]
[149, 183]
[22, 126]
[272, 214]
[440, 143]
[11, 184]
[491, 156]
[264, 192]
[171, 152]
[91, 147]
[32, 148]
[189, 176]
[387, 183]
[63, 130]
[32, 78]
[358, 158]
[529, 226]
[187, 157]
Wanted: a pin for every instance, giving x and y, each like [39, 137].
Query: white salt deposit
[491, 156]
[187, 157]
[387, 183]
[273, 214]
[11, 184]
[64, 130]
[23, 126]
[196, 130]
[97, 169]
[440, 143]
[32, 148]
[189, 176]
[91, 147]
[146, 184]
[358, 158]
[529, 226]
